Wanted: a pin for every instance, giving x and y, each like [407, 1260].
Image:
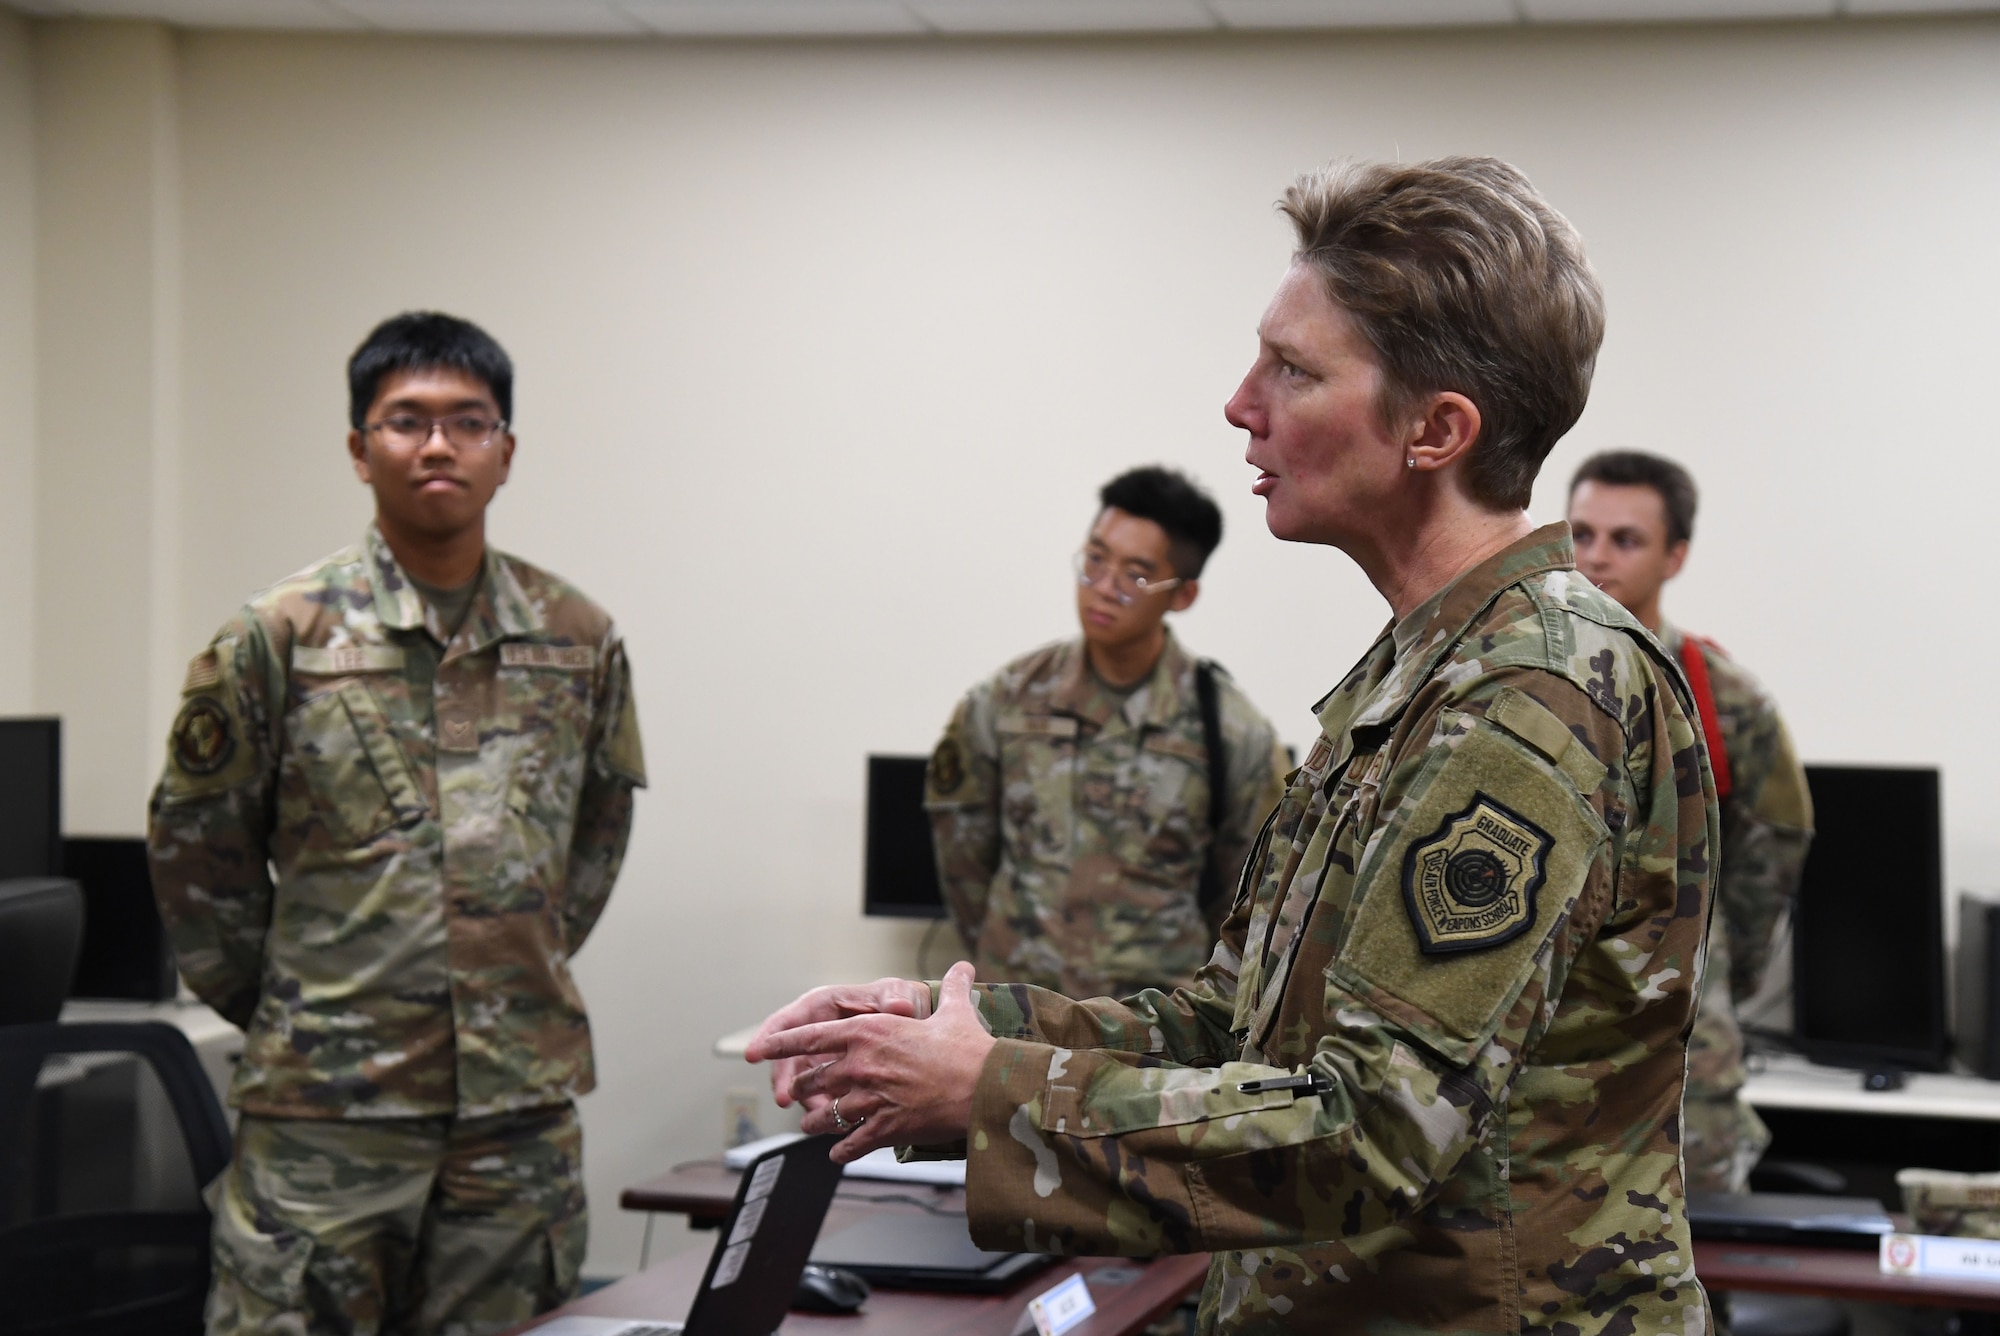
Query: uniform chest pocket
[543, 725]
[1038, 785]
[345, 758]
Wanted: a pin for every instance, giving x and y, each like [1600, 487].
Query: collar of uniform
[1421, 643]
[1154, 702]
[398, 605]
[501, 608]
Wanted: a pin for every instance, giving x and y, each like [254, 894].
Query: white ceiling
[861, 18]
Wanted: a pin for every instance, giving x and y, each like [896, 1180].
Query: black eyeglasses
[467, 431]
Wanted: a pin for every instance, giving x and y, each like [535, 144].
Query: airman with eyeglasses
[1087, 803]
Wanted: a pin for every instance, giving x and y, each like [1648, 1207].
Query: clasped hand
[873, 1061]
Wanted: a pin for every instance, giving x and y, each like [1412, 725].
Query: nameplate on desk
[1937, 1255]
[1057, 1309]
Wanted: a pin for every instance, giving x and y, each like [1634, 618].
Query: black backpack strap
[1218, 778]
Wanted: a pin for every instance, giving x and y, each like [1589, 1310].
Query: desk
[1835, 1273]
[1787, 1081]
[1129, 1294]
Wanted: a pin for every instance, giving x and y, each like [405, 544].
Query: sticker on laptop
[764, 1179]
[731, 1265]
[747, 1220]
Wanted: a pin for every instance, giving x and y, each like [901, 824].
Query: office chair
[83, 1252]
[41, 930]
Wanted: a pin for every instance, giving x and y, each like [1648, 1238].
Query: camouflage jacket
[1766, 829]
[1072, 822]
[375, 851]
[1430, 1080]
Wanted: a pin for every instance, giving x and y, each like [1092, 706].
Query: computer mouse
[829, 1289]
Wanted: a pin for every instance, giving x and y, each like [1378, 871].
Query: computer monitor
[30, 798]
[900, 874]
[125, 951]
[1868, 930]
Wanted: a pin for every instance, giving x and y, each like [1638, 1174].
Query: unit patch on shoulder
[203, 738]
[1472, 883]
[947, 768]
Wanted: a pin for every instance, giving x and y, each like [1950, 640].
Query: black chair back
[41, 930]
[97, 1238]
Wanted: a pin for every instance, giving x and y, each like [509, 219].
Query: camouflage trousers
[1721, 1141]
[453, 1226]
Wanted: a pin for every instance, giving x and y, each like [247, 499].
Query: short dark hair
[421, 341]
[1460, 277]
[1636, 468]
[1192, 521]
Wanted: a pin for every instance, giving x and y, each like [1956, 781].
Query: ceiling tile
[1656, 11]
[213, 13]
[774, 18]
[1360, 13]
[556, 17]
[1062, 16]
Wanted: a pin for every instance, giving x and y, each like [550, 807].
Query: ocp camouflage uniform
[1475, 922]
[1766, 829]
[376, 851]
[1071, 821]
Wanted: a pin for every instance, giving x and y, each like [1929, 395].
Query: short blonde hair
[1462, 278]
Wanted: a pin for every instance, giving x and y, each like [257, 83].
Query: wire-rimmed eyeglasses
[1126, 586]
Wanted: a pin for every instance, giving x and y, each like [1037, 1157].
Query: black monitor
[125, 951]
[30, 798]
[900, 877]
[1868, 931]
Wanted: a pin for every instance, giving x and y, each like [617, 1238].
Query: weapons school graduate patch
[204, 740]
[1472, 883]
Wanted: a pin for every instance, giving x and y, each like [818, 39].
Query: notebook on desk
[1783, 1217]
[759, 1253]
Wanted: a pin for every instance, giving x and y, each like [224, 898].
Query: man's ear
[506, 458]
[1184, 595]
[1676, 555]
[357, 451]
[1445, 433]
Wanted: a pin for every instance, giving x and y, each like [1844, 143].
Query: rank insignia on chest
[203, 739]
[1471, 884]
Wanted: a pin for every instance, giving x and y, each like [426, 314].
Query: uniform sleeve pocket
[1484, 859]
[1159, 1097]
[356, 774]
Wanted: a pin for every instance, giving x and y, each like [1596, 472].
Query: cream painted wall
[108, 335]
[17, 361]
[824, 346]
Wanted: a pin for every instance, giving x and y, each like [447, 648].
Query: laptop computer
[925, 1252]
[759, 1253]
[1784, 1217]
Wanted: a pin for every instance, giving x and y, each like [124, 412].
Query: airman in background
[1092, 802]
[396, 797]
[1632, 515]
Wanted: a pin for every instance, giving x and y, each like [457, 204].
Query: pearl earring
[1410, 462]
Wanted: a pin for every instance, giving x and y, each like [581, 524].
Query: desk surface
[1835, 1273]
[1786, 1081]
[1129, 1295]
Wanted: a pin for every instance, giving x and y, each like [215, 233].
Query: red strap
[1704, 703]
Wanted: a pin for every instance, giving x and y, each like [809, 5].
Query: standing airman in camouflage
[1633, 516]
[396, 798]
[1430, 1080]
[1080, 843]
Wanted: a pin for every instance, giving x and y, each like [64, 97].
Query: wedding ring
[841, 1122]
